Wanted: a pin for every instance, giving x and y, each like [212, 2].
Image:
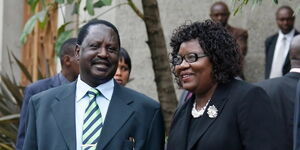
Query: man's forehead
[219, 8]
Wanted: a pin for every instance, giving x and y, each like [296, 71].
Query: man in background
[282, 90]
[277, 46]
[69, 73]
[219, 12]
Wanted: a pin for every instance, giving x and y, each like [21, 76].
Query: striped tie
[93, 123]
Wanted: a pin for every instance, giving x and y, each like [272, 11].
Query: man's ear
[67, 60]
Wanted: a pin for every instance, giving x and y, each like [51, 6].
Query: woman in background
[124, 68]
[223, 113]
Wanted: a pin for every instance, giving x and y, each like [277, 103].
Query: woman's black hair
[219, 46]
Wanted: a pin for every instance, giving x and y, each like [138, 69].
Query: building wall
[259, 20]
[11, 16]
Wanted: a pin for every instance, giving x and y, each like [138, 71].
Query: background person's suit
[31, 90]
[282, 91]
[270, 45]
[296, 131]
[51, 122]
[246, 120]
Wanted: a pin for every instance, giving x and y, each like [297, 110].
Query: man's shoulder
[53, 92]
[238, 31]
[41, 85]
[272, 37]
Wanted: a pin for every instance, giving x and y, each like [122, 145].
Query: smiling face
[98, 55]
[197, 76]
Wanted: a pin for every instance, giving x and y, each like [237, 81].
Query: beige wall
[11, 19]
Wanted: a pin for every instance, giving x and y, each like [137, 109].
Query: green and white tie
[93, 123]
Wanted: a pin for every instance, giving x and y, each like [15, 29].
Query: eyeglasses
[189, 58]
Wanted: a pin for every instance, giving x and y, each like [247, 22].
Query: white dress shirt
[82, 101]
[281, 53]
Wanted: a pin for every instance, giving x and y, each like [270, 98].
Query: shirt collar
[106, 89]
[297, 70]
[288, 35]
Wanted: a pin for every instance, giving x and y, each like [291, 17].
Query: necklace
[197, 113]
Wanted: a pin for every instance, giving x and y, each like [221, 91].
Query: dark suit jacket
[270, 45]
[246, 120]
[296, 131]
[31, 90]
[282, 92]
[51, 122]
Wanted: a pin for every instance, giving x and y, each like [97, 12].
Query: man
[282, 90]
[95, 112]
[69, 73]
[219, 12]
[277, 45]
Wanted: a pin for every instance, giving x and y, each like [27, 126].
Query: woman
[223, 113]
[124, 68]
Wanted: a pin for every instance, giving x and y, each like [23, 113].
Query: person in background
[94, 112]
[282, 91]
[69, 73]
[220, 13]
[124, 68]
[277, 46]
[224, 113]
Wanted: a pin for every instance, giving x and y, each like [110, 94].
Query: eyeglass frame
[197, 56]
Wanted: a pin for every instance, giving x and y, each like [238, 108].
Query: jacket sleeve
[156, 134]
[259, 124]
[21, 131]
[30, 141]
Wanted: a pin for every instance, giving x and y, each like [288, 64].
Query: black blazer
[270, 45]
[51, 121]
[282, 92]
[246, 120]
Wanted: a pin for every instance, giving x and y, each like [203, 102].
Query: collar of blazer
[118, 113]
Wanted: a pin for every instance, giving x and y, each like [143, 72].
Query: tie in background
[278, 60]
[93, 123]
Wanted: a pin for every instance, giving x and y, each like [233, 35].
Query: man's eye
[111, 49]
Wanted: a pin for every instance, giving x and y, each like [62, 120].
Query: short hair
[218, 45]
[284, 7]
[84, 29]
[219, 3]
[67, 48]
[125, 56]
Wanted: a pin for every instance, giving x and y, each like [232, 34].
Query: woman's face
[122, 74]
[195, 76]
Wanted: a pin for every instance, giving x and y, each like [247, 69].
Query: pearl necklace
[197, 113]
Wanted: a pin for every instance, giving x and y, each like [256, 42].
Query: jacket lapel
[181, 124]
[65, 118]
[118, 113]
[219, 99]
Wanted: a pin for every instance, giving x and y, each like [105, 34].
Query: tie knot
[93, 93]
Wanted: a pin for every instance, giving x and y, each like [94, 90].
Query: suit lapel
[118, 113]
[219, 99]
[65, 118]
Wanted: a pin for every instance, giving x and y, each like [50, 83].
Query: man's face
[285, 20]
[219, 13]
[98, 55]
